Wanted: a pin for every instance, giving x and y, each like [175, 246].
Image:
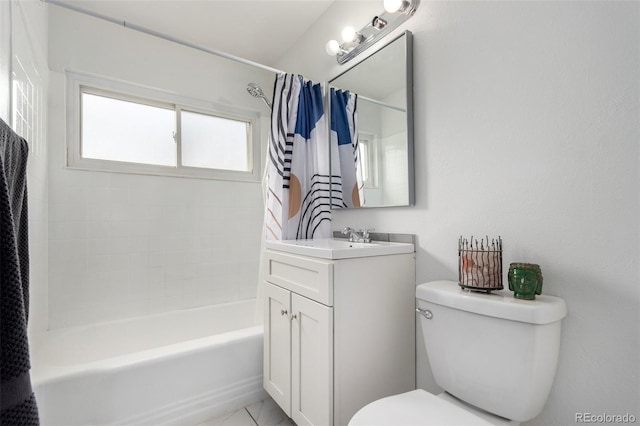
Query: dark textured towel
[17, 402]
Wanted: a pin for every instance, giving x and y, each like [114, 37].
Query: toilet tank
[493, 351]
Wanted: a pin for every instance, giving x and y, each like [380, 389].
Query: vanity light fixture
[393, 6]
[356, 42]
[378, 23]
[333, 48]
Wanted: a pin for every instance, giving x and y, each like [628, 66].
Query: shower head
[256, 91]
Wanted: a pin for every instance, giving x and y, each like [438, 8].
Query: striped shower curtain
[298, 168]
[344, 135]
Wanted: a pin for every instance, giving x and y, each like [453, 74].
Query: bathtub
[175, 368]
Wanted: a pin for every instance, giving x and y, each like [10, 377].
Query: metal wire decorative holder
[480, 264]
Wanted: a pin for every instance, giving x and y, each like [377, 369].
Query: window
[123, 128]
[214, 142]
[367, 144]
[120, 130]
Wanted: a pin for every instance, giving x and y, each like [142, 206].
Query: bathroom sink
[339, 249]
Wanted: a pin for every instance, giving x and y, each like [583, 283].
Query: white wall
[127, 245]
[526, 125]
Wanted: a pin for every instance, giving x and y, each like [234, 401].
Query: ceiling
[259, 30]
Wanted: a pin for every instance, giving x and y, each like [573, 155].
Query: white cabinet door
[277, 345]
[311, 362]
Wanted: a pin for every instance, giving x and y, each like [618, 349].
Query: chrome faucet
[361, 236]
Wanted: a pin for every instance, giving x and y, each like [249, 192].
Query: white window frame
[77, 83]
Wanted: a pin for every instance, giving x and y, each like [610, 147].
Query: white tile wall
[126, 245]
[28, 41]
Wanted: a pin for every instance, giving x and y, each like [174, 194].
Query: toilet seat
[417, 407]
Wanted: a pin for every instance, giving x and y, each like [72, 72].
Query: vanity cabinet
[338, 333]
[300, 340]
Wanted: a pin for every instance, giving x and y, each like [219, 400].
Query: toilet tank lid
[500, 304]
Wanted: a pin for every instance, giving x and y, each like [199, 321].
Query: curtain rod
[373, 101]
[162, 36]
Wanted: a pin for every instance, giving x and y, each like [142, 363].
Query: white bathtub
[177, 368]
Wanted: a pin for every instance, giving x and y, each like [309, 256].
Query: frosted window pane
[214, 142]
[118, 130]
[364, 160]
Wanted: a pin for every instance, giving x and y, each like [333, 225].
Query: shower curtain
[344, 136]
[303, 179]
[17, 401]
[298, 166]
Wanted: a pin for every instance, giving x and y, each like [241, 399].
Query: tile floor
[263, 413]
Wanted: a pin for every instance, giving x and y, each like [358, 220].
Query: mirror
[384, 85]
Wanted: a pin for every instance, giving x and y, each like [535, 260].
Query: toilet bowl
[482, 348]
[419, 407]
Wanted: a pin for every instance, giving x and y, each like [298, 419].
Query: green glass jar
[525, 280]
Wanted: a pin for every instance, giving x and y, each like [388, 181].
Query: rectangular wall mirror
[384, 85]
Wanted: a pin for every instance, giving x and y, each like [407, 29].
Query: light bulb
[393, 6]
[348, 34]
[332, 47]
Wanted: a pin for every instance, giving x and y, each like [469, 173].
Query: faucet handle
[365, 235]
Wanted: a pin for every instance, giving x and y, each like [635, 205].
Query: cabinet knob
[283, 312]
[294, 316]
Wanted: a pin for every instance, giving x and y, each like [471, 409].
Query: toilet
[494, 355]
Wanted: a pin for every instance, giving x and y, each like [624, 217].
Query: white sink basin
[339, 249]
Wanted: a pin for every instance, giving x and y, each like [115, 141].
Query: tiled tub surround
[181, 368]
[129, 245]
[124, 245]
